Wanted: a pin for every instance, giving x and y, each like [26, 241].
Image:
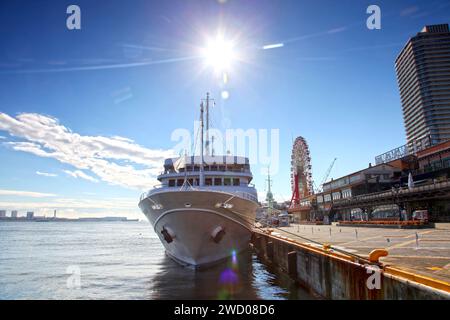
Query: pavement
[428, 255]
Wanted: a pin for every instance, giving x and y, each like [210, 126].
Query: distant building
[30, 215]
[2, 213]
[14, 214]
[423, 76]
[369, 180]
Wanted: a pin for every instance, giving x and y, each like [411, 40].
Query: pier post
[269, 250]
[292, 264]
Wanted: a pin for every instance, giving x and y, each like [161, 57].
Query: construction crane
[327, 174]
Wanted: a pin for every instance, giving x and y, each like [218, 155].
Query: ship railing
[145, 194]
[244, 195]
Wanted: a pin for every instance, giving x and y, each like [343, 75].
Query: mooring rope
[304, 238]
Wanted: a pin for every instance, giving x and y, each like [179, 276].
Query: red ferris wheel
[301, 175]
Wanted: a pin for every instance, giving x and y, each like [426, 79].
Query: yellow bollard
[375, 255]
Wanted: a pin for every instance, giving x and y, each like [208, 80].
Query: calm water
[120, 260]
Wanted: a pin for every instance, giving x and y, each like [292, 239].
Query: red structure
[301, 176]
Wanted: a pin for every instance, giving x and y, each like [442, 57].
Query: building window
[208, 182]
[236, 182]
[347, 193]
[327, 197]
[180, 182]
[227, 182]
[171, 183]
[217, 181]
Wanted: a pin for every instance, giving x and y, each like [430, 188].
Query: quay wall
[336, 276]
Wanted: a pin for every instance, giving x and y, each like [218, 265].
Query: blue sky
[87, 115]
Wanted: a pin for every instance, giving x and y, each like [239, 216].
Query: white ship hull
[200, 227]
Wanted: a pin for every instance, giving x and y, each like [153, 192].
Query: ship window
[191, 181]
[227, 182]
[217, 181]
[171, 183]
[180, 182]
[208, 182]
[196, 182]
[236, 182]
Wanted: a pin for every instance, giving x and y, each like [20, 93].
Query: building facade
[423, 76]
[372, 179]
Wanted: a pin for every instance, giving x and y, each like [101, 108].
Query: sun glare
[219, 54]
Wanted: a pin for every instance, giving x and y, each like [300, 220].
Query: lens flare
[234, 257]
[219, 54]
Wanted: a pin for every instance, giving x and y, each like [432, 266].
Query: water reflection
[242, 276]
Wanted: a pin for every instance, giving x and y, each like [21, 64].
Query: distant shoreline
[105, 219]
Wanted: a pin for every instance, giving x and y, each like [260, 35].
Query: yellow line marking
[434, 268]
[364, 239]
[419, 257]
[399, 245]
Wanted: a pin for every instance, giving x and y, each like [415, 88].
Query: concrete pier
[348, 266]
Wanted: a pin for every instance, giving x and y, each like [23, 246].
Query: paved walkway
[429, 256]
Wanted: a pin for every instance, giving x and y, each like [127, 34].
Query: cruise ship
[204, 209]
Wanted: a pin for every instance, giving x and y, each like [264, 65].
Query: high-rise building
[30, 215]
[423, 76]
[2, 213]
[14, 214]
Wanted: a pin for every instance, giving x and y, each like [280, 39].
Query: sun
[219, 54]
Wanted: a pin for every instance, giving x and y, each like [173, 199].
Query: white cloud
[21, 193]
[46, 174]
[103, 156]
[80, 174]
[2, 138]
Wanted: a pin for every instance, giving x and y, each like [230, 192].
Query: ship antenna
[207, 124]
[201, 146]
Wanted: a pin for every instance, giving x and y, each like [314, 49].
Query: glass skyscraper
[423, 75]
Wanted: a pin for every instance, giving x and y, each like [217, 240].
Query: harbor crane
[327, 174]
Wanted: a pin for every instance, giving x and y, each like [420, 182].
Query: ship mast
[207, 124]
[201, 145]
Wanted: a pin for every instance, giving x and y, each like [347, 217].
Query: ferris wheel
[301, 175]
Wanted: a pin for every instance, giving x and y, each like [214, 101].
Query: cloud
[2, 138]
[80, 174]
[111, 159]
[29, 194]
[409, 11]
[101, 67]
[46, 174]
[337, 30]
